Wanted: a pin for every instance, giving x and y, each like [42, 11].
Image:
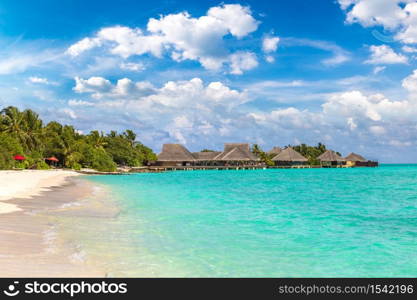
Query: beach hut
[236, 154]
[331, 158]
[274, 151]
[289, 157]
[175, 155]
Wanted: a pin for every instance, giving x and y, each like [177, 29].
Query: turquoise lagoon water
[257, 223]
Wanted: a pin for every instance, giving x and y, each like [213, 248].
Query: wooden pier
[192, 168]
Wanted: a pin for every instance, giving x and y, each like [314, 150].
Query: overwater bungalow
[289, 157]
[206, 158]
[331, 159]
[356, 160]
[175, 155]
[236, 154]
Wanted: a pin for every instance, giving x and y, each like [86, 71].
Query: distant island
[241, 155]
[26, 143]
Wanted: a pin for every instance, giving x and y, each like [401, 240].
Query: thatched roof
[207, 155]
[330, 155]
[275, 150]
[243, 146]
[175, 152]
[236, 152]
[355, 157]
[289, 154]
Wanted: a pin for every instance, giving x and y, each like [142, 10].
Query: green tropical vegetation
[264, 157]
[311, 152]
[24, 133]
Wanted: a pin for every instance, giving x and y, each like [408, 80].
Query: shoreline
[28, 184]
[32, 242]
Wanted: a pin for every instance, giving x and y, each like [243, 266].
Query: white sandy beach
[28, 183]
[32, 222]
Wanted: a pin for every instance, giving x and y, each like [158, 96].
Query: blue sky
[203, 73]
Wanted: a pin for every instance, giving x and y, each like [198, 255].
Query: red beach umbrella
[53, 158]
[19, 157]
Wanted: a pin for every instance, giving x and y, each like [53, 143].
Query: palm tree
[130, 136]
[33, 129]
[69, 146]
[12, 121]
[256, 149]
[321, 147]
[26, 126]
[112, 134]
[97, 139]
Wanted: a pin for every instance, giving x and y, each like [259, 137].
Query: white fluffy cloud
[192, 112]
[363, 118]
[410, 83]
[181, 109]
[183, 37]
[385, 55]
[270, 44]
[92, 85]
[100, 87]
[83, 45]
[409, 49]
[409, 32]
[285, 119]
[373, 109]
[399, 16]
[242, 61]
[75, 102]
[192, 93]
[40, 80]
[127, 41]
[350, 115]
[136, 67]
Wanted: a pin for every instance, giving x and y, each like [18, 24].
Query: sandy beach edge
[31, 243]
[27, 184]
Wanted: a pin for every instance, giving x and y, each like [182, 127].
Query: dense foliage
[264, 157]
[23, 133]
[311, 152]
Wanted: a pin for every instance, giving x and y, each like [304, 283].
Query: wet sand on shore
[30, 241]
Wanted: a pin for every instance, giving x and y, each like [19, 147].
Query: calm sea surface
[291, 222]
